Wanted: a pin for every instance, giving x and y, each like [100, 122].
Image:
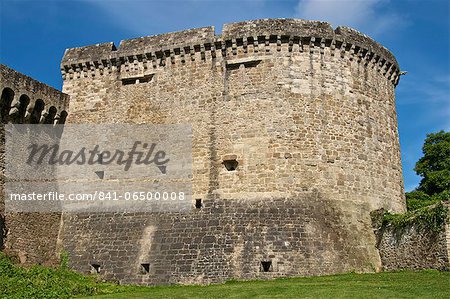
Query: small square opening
[198, 203]
[145, 268]
[231, 164]
[95, 268]
[266, 266]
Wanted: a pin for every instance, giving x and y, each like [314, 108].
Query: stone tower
[294, 143]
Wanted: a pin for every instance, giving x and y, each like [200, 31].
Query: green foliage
[443, 196]
[434, 166]
[43, 282]
[417, 195]
[419, 199]
[431, 218]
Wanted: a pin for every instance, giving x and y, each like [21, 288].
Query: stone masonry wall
[31, 237]
[302, 109]
[412, 248]
[309, 114]
[227, 238]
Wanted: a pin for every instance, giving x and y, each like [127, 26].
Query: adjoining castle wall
[30, 236]
[28, 91]
[308, 113]
[415, 249]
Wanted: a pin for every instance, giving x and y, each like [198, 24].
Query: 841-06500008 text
[143, 195]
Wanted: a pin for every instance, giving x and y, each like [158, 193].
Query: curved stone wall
[308, 114]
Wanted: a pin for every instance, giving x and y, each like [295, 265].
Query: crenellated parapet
[140, 57]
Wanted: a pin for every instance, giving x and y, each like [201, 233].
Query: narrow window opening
[266, 266]
[145, 268]
[231, 164]
[95, 268]
[137, 80]
[246, 64]
[198, 203]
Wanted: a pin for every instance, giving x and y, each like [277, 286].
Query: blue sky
[34, 35]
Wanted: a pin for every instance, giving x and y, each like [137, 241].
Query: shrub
[43, 282]
[428, 217]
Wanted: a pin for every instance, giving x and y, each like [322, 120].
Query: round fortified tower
[294, 143]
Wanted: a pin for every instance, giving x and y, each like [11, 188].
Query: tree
[434, 166]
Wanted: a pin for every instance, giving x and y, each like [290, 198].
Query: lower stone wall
[32, 237]
[225, 239]
[413, 248]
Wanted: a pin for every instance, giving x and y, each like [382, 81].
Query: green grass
[423, 284]
[42, 282]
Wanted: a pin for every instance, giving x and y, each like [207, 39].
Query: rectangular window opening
[138, 80]
[245, 63]
[198, 203]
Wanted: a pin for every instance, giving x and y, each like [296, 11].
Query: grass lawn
[423, 284]
[56, 283]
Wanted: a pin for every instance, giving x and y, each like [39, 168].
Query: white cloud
[369, 16]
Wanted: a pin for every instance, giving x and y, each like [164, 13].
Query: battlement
[168, 40]
[306, 34]
[283, 27]
[141, 45]
[95, 52]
